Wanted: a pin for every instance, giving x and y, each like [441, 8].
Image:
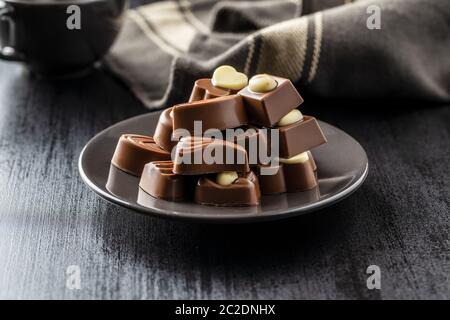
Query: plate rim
[220, 219]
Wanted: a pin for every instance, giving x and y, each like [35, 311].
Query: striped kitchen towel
[328, 48]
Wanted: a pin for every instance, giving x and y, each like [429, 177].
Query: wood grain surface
[49, 220]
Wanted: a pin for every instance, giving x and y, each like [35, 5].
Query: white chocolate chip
[292, 117]
[300, 158]
[227, 77]
[262, 83]
[226, 178]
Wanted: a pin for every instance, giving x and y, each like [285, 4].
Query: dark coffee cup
[59, 37]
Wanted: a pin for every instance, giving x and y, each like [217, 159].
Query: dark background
[398, 220]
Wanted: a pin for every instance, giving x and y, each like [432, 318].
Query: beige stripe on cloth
[169, 24]
[283, 49]
[318, 29]
[190, 16]
[150, 34]
[251, 53]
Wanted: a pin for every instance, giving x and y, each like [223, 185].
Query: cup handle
[8, 52]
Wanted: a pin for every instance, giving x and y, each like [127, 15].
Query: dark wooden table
[49, 220]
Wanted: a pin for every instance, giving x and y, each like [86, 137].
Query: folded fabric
[328, 48]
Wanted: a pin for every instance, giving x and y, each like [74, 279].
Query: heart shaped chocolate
[227, 77]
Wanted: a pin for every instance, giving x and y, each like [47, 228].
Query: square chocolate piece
[267, 108]
[218, 114]
[300, 137]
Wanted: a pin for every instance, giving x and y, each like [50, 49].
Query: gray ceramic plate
[342, 167]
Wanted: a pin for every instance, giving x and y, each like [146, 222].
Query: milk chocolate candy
[159, 181]
[134, 151]
[243, 192]
[290, 177]
[196, 156]
[299, 176]
[267, 108]
[313, 163]
[204, 89]
[254, 141]
[300, 137]
[163, 132]
[219, 113]
[119, 183]
[271, 183]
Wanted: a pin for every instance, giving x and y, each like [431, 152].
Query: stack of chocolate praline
[191, 158]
